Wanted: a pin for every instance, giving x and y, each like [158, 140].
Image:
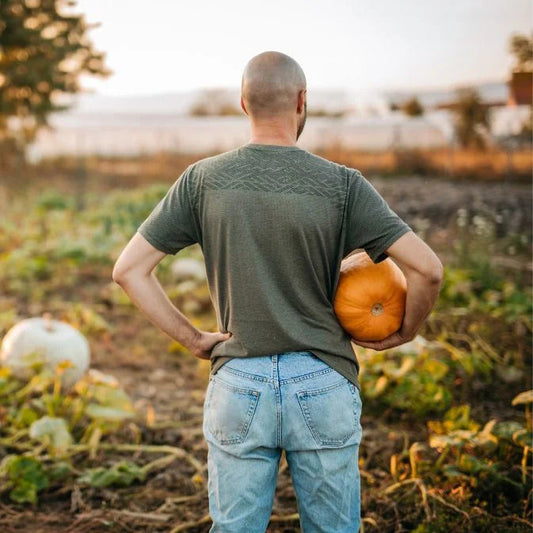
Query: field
[446, 420]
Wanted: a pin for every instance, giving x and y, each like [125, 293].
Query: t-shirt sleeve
[172, 224]
[370, 222]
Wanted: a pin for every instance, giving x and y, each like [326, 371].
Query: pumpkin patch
[370, 298]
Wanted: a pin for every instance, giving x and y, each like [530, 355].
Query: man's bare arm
[133, 271]
[423, 271]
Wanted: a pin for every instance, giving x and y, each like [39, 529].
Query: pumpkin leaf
[457, 438]
[121, 474]
[523, 398]
[52, 431]
[472, 465]
[506, 430]
[452, 472]
[104, 412]
[27, 476]
[26, 416]
[59, 470]
[112, 397]
[523, 438]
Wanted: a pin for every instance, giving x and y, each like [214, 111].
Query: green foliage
[45, 49]
[471, 281]
[480, 289]
[40, 413]
[51, 201]
[487, 458]
[121, 474]
[419, 378]
[417, 381]
[465, 466]
[52, 426]
[26, 476]
[48, 241]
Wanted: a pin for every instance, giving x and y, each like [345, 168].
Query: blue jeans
[258, 406]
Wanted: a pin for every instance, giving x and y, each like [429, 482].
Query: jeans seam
[232, 387]
[316, 392]
[242, 374]
[305, 377]
[277, 395]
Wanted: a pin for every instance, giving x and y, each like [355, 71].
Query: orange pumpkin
[370, 298]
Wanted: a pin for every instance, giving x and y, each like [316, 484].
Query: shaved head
[270, 84]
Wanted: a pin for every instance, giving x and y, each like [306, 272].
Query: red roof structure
[520, 88]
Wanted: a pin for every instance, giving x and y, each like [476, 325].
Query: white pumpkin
[187, 268]
[52, 340]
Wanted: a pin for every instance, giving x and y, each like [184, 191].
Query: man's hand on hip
[205, 342]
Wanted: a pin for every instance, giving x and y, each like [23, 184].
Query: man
[274, 222]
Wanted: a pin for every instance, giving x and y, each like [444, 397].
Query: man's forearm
[422, 293]
[146, 293]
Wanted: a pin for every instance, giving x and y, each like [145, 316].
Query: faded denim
[257, 406]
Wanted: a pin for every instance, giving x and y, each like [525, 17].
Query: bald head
[270, 84]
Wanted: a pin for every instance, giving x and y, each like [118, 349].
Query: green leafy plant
[121, 474]
[26, 477]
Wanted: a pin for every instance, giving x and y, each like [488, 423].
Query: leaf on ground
[103, 412]
[120, 474]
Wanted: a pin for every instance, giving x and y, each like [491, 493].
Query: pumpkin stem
[377, 309]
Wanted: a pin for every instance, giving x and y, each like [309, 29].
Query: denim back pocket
[229, 411]
[331, 413]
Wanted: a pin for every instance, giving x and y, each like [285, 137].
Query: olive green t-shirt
[274, 223]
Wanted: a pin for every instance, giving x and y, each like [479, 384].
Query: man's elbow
[119, 275]
[435, 273]
[432, 272]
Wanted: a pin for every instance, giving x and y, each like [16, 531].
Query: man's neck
[273, 133]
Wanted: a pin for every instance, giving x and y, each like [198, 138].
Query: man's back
[274, 223]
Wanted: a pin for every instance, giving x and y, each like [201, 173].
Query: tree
[43, 51]
[413, 107]
[471, 118]
[522, 49]
[214, 102]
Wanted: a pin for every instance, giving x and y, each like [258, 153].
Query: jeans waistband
[286, 366]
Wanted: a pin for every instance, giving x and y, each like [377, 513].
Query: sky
[166, 46]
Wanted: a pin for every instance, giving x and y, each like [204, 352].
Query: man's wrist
[406, 335]
[193, 338]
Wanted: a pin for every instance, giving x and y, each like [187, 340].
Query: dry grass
[110, 172]
[492, 164]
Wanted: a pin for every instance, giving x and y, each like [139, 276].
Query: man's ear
[302, 96]
[243, 106]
